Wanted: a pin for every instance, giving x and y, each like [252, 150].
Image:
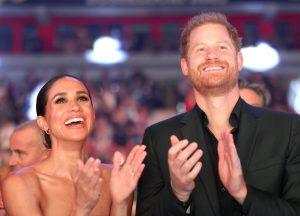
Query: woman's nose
[75, 106]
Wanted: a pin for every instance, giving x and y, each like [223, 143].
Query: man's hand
[230, 170]
[184, 166]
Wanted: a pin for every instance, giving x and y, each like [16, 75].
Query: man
[224, 157]
[27, 145]
[254, 93]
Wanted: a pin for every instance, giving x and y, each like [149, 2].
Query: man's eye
[201, 49]
[19, 153]
[60, 101]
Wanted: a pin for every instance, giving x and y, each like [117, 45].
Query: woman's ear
[41, 121]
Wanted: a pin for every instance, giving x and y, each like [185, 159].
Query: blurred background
[135, 77]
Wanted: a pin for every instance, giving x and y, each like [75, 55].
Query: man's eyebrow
[19, 151]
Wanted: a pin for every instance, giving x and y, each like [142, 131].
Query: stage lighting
[106, 50]
[260, 58]
[294, 95]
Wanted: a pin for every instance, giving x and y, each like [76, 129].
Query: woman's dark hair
[42, 98]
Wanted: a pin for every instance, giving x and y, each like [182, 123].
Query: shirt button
[223, 189]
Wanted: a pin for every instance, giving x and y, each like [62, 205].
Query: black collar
[234, 118]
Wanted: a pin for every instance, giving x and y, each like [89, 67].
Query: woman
[63, 184]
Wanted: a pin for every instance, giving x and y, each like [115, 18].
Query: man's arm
[260, 203]
[155, 195]
[256, 202]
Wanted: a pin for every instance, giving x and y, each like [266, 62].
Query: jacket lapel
[248, 131]
[193, 131]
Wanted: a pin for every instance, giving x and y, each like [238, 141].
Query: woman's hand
[88, 182]
[124, 178]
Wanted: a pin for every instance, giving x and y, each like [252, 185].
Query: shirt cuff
[248, 200]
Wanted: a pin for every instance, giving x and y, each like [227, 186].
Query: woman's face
[69, 112]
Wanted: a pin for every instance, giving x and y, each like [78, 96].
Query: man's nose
[13, 160]
[212, 53]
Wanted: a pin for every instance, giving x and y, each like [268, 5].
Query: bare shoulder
[21, 178]
[21, 192]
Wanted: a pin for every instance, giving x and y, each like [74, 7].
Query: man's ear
[42, 123]
[184, 66]
[240, 61]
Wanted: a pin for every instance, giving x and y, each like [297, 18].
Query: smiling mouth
[74, 121]
[213, 68]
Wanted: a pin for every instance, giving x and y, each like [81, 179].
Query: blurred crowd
[124, 106]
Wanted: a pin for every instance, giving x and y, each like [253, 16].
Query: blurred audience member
[27, 145]
[254, 93]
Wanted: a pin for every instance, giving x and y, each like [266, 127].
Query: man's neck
[218, 110]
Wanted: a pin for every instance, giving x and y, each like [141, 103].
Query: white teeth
[70, 121]
[213, 68]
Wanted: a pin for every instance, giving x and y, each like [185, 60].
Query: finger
[138, 173]
[190, 177]
[235, 160]
[117, 161]
[177, 148]
[184, 154]
[187, 152]
[89, 165]
[137, 161]
[190, 163]
[139, 150]
[229, 147]
[174, 140]
[195, 171]
[223, 147]
[221, 150]
[94, 174]
[132, 154]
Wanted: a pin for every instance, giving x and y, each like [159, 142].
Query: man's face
[26, 147]
[212, 62]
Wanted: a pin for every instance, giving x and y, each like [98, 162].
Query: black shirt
[228, 205]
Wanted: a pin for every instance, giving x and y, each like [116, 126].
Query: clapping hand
[184, 166]
[230, 170]
[88, 184]
[124, 177]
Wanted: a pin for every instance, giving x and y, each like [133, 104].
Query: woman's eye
[60, 101]
[83, 98]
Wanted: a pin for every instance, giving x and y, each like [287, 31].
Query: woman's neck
[63, 159]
